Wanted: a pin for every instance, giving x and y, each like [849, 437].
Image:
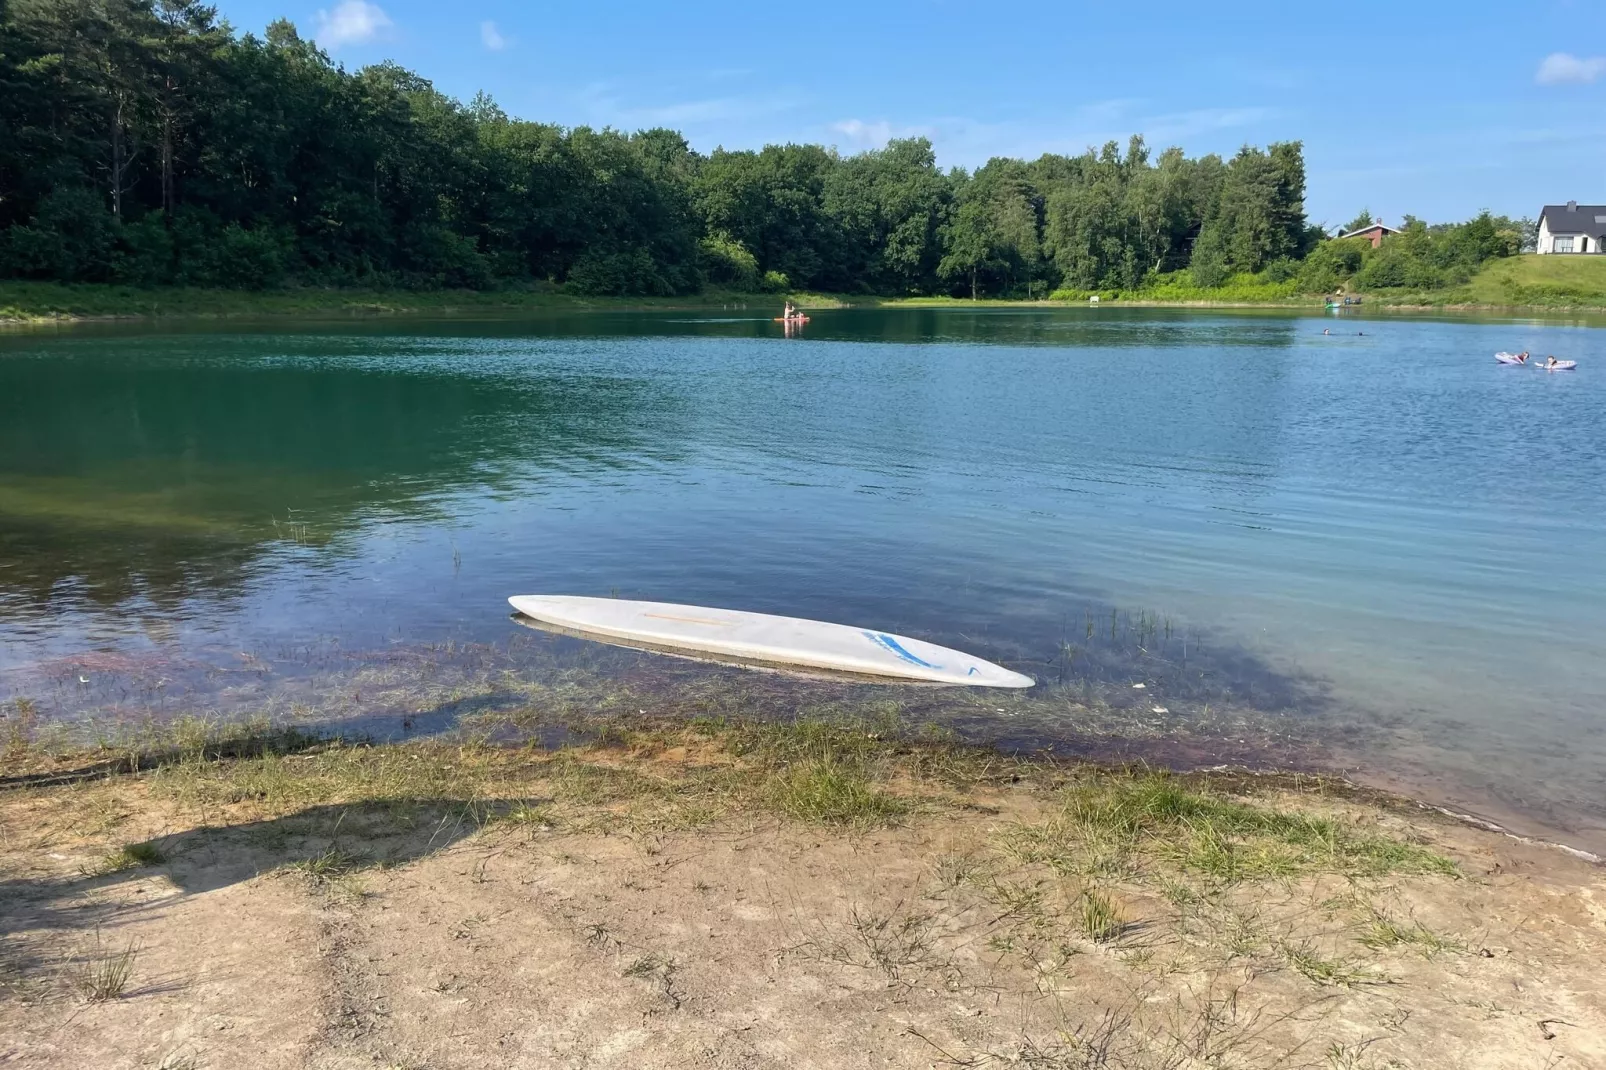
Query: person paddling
[1522, 358]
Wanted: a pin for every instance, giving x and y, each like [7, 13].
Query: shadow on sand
[51, 925]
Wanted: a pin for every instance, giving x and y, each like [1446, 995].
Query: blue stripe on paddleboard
[893, 645]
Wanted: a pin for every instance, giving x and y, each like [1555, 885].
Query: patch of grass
[828, 792]
[893, 941]
[1098, 918]
[20, 720]
[528, 815]
[1018, 898]
[1383, 933]
[1327, 969]
[326, 867]
[956, 868]
[104, 975]
[43, 302]
[1110, 823]
[1178, 287]
[1531, 279]
[133, 856]
[860, 738]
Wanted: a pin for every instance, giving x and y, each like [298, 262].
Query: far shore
[48, 304]
[726, 892]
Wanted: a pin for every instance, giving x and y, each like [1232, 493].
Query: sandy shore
[745, 895]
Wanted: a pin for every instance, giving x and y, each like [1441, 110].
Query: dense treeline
[144, 141]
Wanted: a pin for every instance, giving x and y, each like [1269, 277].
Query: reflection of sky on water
[1322, 512]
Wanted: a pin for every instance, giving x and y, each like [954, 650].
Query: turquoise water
[1384, 541]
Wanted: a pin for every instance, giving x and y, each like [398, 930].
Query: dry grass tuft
[104, 975]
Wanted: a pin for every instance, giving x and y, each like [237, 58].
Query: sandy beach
[730, 894]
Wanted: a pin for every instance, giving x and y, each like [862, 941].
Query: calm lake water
[1379, 552]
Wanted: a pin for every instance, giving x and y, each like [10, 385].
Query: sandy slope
[764, 943]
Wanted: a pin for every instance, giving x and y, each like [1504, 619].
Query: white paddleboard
[762, 637]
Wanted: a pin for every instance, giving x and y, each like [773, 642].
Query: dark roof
[1575, 218]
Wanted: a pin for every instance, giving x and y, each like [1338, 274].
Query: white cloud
[352, 22]
[971, 142]
[873, 135]
[863, 134]
[1564, 68]
[603, 104]
[491, 37]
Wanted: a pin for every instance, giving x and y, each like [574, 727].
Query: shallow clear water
[1385, 539]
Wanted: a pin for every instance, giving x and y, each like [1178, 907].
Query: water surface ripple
[1383, 540]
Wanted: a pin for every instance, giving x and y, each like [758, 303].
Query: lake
[1379, 552]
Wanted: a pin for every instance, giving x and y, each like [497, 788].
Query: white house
[1572, 228]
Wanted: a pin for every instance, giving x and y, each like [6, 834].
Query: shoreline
[25, 767]
[27, 305]
[738, 893]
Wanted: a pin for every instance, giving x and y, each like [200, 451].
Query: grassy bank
[847, 892]
[1521, 283]
[44, 302]
[1530, 282]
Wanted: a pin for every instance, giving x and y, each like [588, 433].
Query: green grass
[1099, 919]
[133, 856]
[1523, 281]
[832, 769]
[828, 792]
[1527, 281]
[104, 975]
[1114, 824]
[1543, 281]
[1384, 933]
[1177, 287]
[42, 302]
[1328, 969]
[332, 871]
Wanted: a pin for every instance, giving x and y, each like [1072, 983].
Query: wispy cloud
[352, 22]
[1564, 68]
[860, 134]
[491, 37]
[603, 102]
[970, 142]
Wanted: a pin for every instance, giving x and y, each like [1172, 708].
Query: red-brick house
[1374, 233]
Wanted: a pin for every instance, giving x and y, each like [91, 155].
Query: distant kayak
[1560, 366]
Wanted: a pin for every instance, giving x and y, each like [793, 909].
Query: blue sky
[1436, 108]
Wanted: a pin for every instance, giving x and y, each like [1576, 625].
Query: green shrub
[72, 238]
[726, 262]
[621, 274]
